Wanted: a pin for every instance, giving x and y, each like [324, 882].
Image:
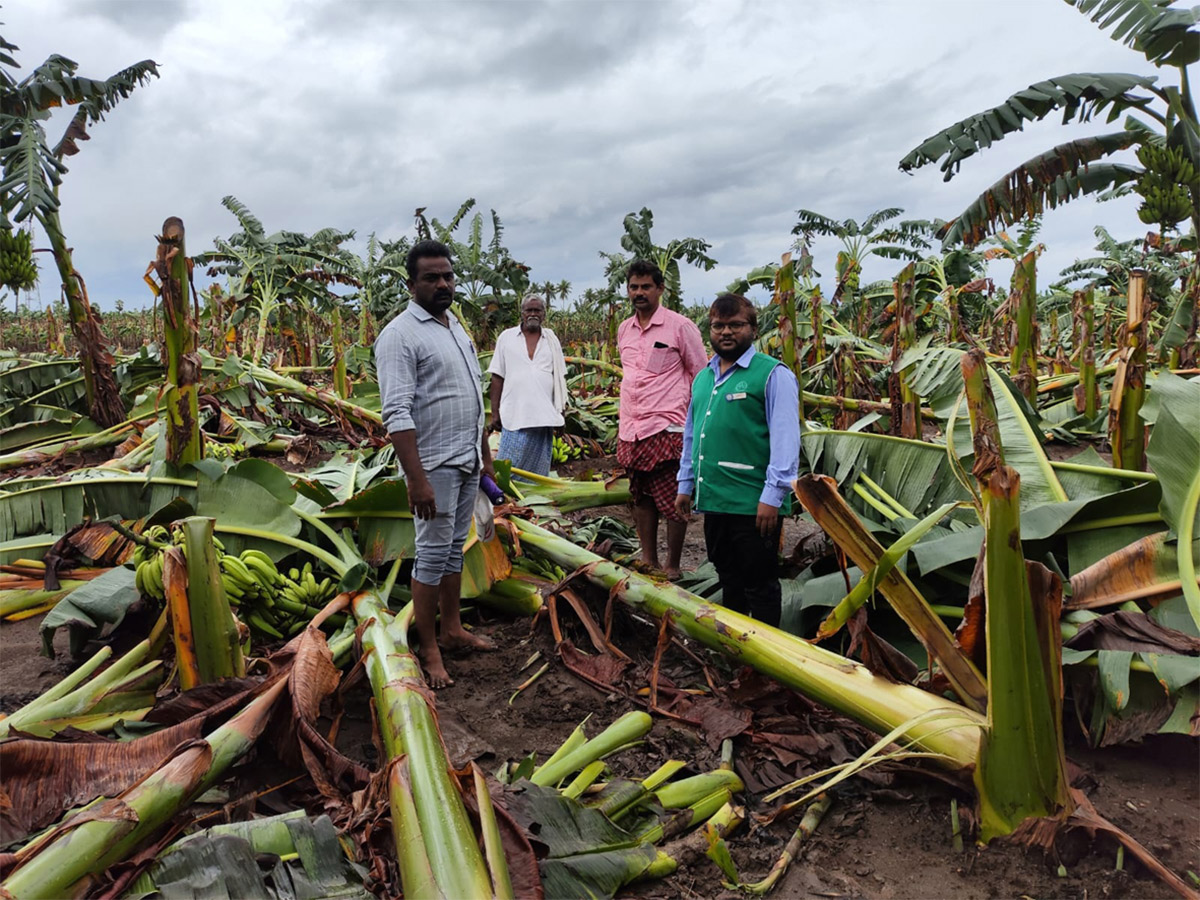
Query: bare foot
[435, 670]
[673, 574]
[466, 641]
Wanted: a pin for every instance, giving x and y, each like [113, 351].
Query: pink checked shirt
[660, 362]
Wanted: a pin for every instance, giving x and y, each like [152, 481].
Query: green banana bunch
[273, 604]
[18, 271]
[249, 580]
[301, 586]
[1167, 185]
[219, 450]
[561, 451]
[148, 564]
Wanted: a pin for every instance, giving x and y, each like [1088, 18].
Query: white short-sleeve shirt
[527, 400]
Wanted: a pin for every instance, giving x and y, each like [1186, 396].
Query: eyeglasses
[727, 326]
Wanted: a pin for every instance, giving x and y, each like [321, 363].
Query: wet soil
[888, 838]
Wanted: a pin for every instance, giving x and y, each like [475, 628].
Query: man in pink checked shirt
[661, 352]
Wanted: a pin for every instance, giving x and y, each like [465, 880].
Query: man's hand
[496, 424]
[488, 468]
[421, 499]
[683, 504]
[766, 520]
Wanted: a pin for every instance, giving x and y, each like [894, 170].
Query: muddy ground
[885, 838]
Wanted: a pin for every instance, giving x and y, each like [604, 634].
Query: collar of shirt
[742, 361]
[658, 318]
[425, 315]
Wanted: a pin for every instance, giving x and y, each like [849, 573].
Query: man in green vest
[741, 449]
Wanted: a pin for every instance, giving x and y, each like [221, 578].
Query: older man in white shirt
[529, 389]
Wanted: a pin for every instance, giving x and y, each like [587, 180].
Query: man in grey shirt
[430, 388]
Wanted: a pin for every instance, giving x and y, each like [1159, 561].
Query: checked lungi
[527, 448]
[652, 464]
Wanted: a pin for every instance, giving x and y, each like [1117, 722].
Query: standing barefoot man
[430, 386]
[661, 352]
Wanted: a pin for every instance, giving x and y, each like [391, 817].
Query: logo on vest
[741, 385]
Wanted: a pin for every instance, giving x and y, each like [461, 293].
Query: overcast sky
[723, 117]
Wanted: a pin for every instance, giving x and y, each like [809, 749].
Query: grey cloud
[147, 19]
[563, 116]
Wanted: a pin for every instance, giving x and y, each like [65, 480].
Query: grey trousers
[440, 539]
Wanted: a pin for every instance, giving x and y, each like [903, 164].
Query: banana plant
[904, 240]
[181, 402]
[271, 270]
[1160, 122]
[31, 171]
[638, 242]
[490, 283]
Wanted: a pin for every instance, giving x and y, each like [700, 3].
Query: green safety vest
[731, 442]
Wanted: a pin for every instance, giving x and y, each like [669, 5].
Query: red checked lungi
[652, 464]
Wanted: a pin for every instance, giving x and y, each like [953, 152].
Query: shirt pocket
[661, 360]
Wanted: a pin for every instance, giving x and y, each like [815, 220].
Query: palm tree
[1169, 149]
[31, 172]
[637, 241]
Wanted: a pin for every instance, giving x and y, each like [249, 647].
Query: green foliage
[30, 169]
[1166, 35]
[91, 610]
[638, 243]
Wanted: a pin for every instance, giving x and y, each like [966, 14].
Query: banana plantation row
[999, 486]
[961, 474]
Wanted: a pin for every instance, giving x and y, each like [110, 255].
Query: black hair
[425, 250]
[727, 305]
[644, 267]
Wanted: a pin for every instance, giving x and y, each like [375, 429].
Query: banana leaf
[1019, 424]
[1174, 454]
[32, 546]
[66, 861]
[254, 496]
[484, 563]
[222, 863]
[1086, 523]
[826, 506]
[917, 474]
[26, 434]
[1087, 475]
[91, 610]
[587, 855]
[57, 506]
[385, 525]
[1146, 569]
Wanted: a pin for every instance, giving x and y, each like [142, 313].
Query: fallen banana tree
[435, 843]
[66, 861]
[837, 682]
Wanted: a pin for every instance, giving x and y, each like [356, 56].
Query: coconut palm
[31, 171]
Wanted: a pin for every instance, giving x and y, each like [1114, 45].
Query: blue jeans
[440, 540]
